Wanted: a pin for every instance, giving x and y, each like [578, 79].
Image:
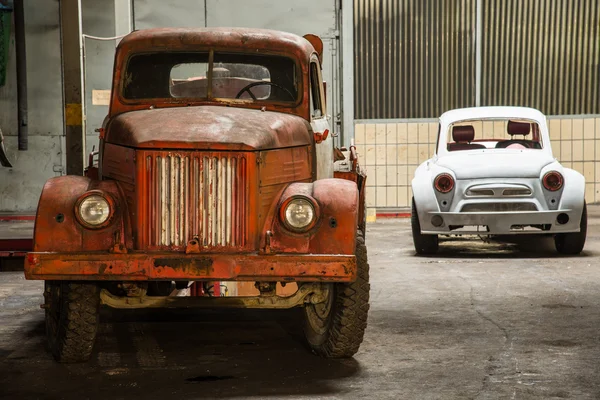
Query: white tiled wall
[391, 151]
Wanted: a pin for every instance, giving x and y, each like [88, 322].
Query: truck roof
[177, 39]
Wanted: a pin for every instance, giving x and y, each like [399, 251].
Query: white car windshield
[494, 134]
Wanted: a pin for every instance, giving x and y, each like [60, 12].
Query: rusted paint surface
[204, 195]
[208, 128]
[202, 39]
[359, 177]
[285, 166]
[360, 180]
[119, 163]
[277, 169]
[197, 187]
[335, 231]
[56, 227]
[164, 266]
[307, 292]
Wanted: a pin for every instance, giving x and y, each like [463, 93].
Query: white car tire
[424, 244]
[572, 243]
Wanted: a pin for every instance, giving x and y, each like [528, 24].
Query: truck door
[319, 121]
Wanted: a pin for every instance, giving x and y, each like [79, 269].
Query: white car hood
[480, 164]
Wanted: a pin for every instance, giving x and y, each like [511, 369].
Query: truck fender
[347, 167]
[335, 229]
[57, 228]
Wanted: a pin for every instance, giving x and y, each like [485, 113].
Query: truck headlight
[93, 210]
[299, 214]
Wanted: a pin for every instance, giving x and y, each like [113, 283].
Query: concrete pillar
[70, 32]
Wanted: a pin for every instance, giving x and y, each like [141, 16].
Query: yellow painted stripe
[371, 214]
[73, 114]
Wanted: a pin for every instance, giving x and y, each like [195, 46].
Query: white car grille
[498, 207]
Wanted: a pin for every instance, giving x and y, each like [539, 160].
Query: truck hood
[208, 128]
[496, 164]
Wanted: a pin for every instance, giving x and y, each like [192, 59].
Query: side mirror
[317, 43]
[92, 169]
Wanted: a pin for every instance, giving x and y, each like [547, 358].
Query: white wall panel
[168, 13]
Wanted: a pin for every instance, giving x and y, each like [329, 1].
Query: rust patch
[215, 267]
[201, 263]
[102, 268]
[347, 270]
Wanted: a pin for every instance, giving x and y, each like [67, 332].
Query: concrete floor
[478, 321]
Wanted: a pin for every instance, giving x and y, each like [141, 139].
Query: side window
[316, 106]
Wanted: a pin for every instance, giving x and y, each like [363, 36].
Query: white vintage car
[493, 173]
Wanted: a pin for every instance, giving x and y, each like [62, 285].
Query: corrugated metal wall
[542, 54]
[413, 58]
[417, 58]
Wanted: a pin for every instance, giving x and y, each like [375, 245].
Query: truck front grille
[195, 195]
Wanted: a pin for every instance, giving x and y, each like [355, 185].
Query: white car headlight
[93, 210]
[299, 214]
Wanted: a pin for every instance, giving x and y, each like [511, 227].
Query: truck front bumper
[188, 267]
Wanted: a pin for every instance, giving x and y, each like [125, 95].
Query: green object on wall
[5, 25]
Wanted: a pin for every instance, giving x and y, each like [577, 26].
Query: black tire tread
[573, 243]
[351, 311]
[424, 244]
[75, 334]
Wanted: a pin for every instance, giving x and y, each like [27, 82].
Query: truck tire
[424, 244]
[72, 317]
[335, 328]
[572, 243]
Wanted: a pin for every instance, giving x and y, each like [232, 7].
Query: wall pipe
[21, 74]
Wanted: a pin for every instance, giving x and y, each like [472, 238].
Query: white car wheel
[572, 243]
[424, 244]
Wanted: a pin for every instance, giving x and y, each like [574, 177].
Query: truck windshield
[170, 75]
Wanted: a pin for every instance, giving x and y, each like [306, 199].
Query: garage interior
[481, 319]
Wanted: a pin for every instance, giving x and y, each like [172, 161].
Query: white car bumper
[500, 223]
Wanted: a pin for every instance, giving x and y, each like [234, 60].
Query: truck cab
[216, 163]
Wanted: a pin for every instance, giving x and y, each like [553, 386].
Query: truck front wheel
[72, 317]
[335, 328]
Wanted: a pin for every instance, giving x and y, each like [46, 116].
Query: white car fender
[574, 191]
[422, 186]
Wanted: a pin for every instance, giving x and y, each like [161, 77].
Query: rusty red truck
[215, 164]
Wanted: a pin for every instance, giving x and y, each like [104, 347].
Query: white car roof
[462, 114]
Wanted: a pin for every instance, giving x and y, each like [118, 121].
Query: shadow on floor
[161, 353]
[501, 247]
